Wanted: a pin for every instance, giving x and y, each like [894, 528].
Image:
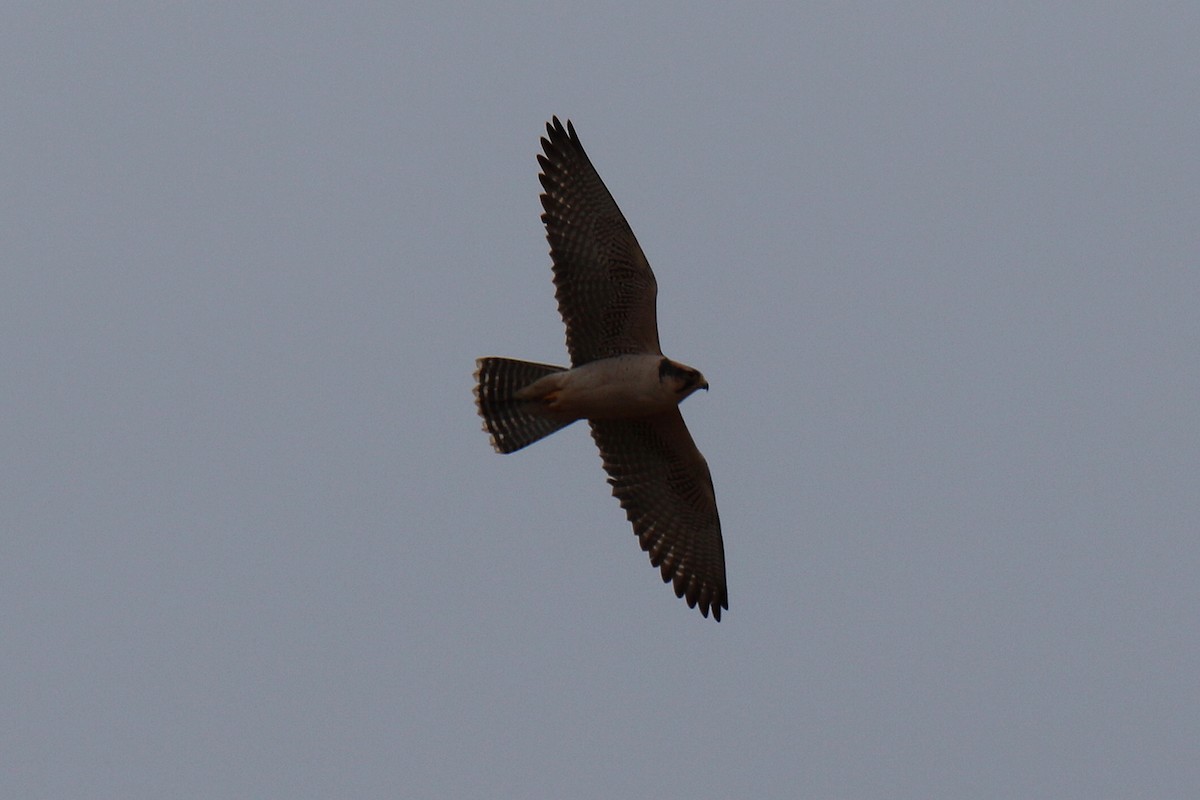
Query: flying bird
[619, 380]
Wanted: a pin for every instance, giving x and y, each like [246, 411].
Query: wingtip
[557, 132]
[714, 604]
[705, 598]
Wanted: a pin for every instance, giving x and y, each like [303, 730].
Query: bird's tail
[512, 423]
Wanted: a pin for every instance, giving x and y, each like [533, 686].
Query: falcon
[619, 380]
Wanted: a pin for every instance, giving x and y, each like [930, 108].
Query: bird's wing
[604, 285]
[664, 486]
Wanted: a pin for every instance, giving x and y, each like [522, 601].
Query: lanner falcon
[619, 380]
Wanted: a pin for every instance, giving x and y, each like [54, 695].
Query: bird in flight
[619, 380]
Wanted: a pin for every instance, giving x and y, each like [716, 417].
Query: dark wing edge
[663, 483]
[604, 286]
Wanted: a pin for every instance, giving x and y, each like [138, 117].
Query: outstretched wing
[664, 486]
[604, 285]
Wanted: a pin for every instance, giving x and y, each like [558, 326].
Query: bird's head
[681, 379]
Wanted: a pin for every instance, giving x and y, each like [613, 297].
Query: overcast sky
[939, 261]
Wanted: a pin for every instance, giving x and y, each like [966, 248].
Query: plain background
[939, 261]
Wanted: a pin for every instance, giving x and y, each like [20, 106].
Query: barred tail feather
[512, 423]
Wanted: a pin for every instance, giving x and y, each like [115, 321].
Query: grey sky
[940, 264]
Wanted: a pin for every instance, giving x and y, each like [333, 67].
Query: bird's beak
[704, 386]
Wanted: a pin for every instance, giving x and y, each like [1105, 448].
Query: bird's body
[621, 387]
[619, 379]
